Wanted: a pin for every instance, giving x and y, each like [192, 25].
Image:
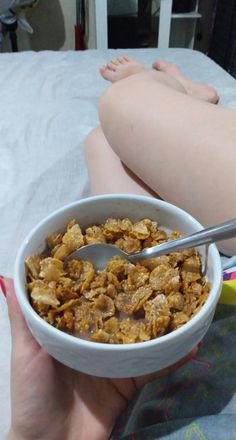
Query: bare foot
[193, 88]
[120, 68]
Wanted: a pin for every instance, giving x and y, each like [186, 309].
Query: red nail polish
[3, 286]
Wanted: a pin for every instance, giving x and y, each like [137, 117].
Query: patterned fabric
[229, 275]
[228, 294]
[197, 401]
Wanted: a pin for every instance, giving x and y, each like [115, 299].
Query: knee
[91, 143]
[105, 104]
[111, 104]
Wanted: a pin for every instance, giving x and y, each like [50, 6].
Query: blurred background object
[53, 24]
[12, 15]
[80, 25]
[205, 25]
[129, 23]
[223, 36]
[179, 6]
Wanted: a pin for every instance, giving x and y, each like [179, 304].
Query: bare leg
[107, 174]
[167, 73]
[99, 155]
[193, 88]
[181, 147]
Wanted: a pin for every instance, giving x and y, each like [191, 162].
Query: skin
[49, 400]
[52, 401]
[162, 134]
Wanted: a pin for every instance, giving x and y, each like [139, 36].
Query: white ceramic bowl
[111, 360]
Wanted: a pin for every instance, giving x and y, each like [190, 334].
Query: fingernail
[3, 286]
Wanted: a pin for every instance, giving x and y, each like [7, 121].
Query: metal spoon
[99, 253]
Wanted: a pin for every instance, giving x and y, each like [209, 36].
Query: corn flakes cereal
[123, 303]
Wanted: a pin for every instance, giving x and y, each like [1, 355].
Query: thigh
[183, 148]
[107, 174]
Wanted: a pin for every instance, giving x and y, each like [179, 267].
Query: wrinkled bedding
[48, 106]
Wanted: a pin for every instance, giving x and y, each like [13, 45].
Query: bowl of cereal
[125, 320]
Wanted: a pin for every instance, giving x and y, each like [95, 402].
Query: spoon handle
[206, 236]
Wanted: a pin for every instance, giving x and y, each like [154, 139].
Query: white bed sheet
[48, 106]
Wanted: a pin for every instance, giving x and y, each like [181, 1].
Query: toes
[156, 65]
[115, 61]
[107, 73]
[213, 96]
[102, 70]
[160, 65]
[112, 65]
[127, 59]
[119, 68]
[121, 60]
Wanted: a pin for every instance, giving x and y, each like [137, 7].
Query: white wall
[53, 22]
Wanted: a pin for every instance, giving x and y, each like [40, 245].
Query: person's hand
[51, 401]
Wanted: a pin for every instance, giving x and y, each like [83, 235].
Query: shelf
[164, 26]
[184, 15]
[192, 14]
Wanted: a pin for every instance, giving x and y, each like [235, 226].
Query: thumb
[21, 336]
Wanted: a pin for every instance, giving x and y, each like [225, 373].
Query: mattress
[48, 106]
